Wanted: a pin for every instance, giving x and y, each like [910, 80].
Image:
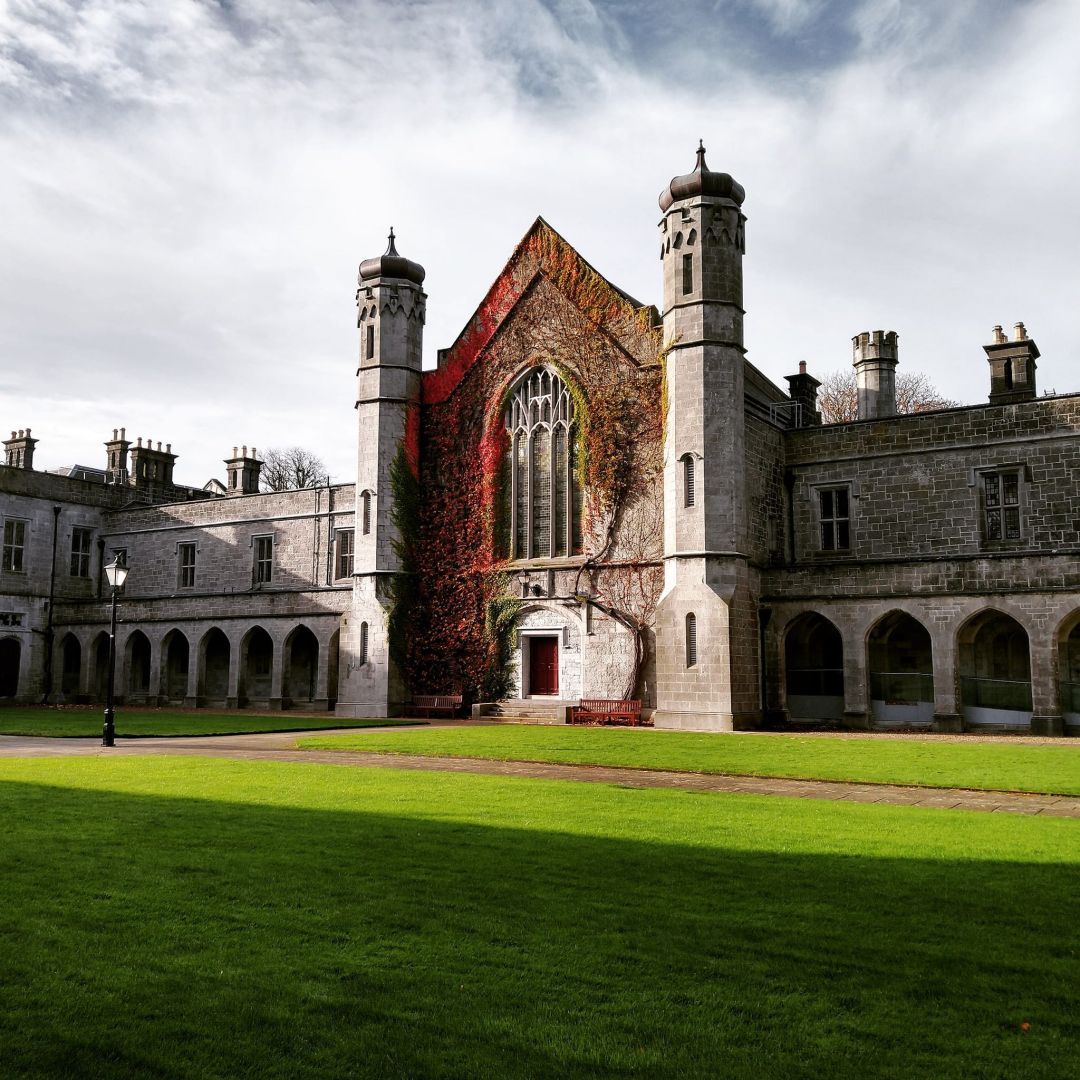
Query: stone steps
[521, 712]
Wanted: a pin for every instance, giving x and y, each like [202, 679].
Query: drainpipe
[49, 615]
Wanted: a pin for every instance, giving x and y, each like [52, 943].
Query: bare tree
[293, 467]
[838, 396]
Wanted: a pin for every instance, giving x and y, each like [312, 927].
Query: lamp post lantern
[117, 573]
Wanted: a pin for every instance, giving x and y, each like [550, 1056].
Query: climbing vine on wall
[547, 307]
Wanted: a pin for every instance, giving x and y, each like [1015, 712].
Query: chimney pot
[28, 433]
[114, 434]
[1019, 332]
[245, 451]
[123, 433]
[138, 441]
[168, 448]
[20, 433]
[802, 367]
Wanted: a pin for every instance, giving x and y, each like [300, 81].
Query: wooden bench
[426, 704]
[606, 711]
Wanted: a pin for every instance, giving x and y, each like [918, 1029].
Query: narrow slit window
[691, 640]
[687, 274]
[363, 643]
[689, 481]
[366, 512]
[369, 350]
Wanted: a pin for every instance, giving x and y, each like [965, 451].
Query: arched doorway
[995, 671]
[137, 651]
[175, 663]
[70, 667]
[256, 667]
[217, 653]
[901, 668]
[10, 659]
[1069, 667]
[301, 667]
[814, 669]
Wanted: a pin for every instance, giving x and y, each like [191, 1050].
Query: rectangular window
[687, 274]
[369, 348]
[264, 559]
[80, 552]
[14, 546]
[186, 565]
[120, 555]
[833, 505]
[345, 541]
[1001, 505]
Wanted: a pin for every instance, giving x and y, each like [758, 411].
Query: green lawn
[67, 722]
[191, 918]
[1007, 766]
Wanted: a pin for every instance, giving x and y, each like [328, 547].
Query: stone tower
[706, 663]
[390, 316]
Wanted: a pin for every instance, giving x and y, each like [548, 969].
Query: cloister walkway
[280, 746]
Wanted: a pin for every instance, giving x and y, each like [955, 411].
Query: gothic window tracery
[545, 498]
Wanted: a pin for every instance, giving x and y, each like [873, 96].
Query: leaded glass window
[545, 500]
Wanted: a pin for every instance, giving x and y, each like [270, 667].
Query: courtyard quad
[197, 917]
[1003, 764]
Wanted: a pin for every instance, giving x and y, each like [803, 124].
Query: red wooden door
[544, 665]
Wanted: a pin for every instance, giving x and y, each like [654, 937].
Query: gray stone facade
[895, 571]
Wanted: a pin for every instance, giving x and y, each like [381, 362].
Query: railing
[1070, 697]
[1012, 694]
[901, 687]
[826, 682]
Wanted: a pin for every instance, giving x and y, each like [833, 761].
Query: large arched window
[545, 499]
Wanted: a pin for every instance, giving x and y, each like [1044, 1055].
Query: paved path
[280, 746]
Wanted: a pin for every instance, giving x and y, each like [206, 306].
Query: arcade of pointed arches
[887, 666]
[223, 666]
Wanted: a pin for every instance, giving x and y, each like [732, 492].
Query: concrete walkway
[281, 746]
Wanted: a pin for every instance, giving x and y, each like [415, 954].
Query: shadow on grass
[158, 936]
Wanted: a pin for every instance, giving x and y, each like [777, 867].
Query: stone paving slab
[281, 746]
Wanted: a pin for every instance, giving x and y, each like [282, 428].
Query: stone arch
[995, 670]
[678, 241]
[215, 658]
[10, 662]
[301, 658]
[137, 653]
[256, 667]
[814, 668]
[691, 238]
[564, 629]
[70, 653]
[900, 665]
[175, 666]
[1068, 646]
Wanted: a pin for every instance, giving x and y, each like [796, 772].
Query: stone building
[587, 497]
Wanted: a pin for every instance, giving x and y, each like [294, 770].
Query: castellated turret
[390, 305]
[701, 683]
[874, 360]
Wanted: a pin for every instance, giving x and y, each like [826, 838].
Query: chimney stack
[1012, 366]
[19, 450]
[243, 470]
[803, 388]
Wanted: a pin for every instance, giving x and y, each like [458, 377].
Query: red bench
[426, 704]
[606, 711]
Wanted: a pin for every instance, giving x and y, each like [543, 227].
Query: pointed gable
[542, 253]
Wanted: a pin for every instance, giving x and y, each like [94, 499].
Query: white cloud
[188, 192]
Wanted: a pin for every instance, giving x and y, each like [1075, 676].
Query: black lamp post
[117, 574]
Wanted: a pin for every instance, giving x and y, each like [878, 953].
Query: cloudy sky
[187, 187]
